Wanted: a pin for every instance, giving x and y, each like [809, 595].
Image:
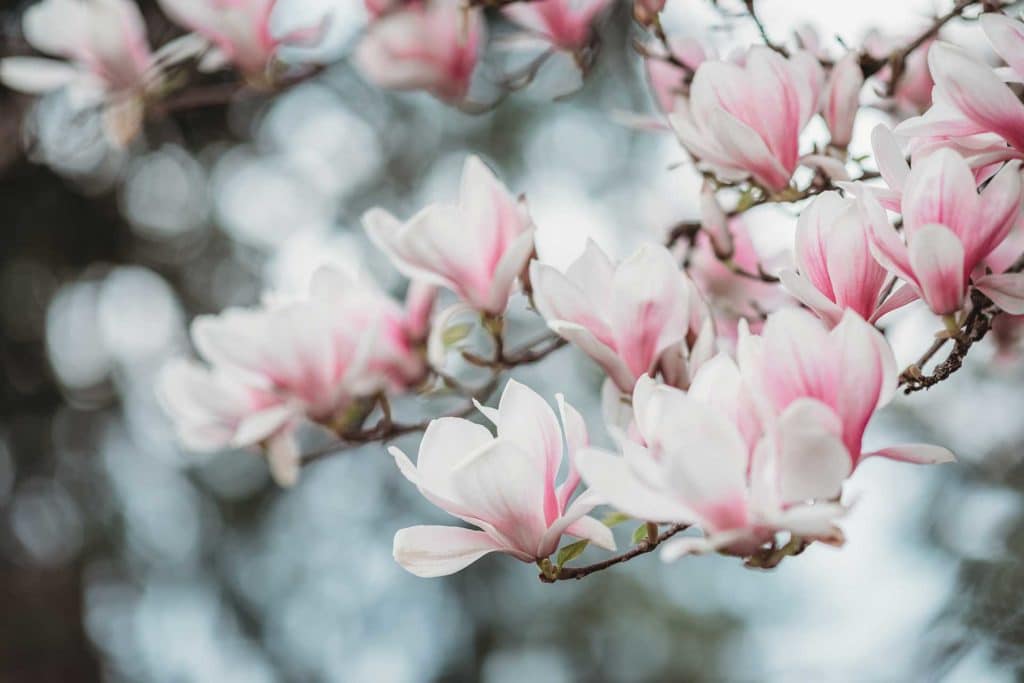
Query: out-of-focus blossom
[666, 76]
[623, 316]
[378, 8]
[505, 485]
[704, 461]
[949, 231]
[913, 92]
[239, 31]
[841, 99]
[850, 370]
[433, 47]
[103, 41]
[745, 120]
[269, 368]
[732, 297]
[476, 248]
[566, 24]
[107, 59]
[836, 270]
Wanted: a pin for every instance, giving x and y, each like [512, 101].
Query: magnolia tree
[737, 394]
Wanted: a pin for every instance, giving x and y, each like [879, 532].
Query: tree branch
[641, 548]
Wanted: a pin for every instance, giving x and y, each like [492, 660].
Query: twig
[641, 548]
[386, 429]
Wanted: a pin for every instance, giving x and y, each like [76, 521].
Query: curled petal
[431, 551]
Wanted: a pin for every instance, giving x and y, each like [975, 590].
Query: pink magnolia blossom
[504, 484]
[970, 98]
[623, 316]
[476, 248]
[836, 271]
[103, 42]
[841, 98]
[949, 229]
[239, 30]
[745, 120]
[850, 369]
[433, 46]
[566, 24]
[703, 459]
[269, 368]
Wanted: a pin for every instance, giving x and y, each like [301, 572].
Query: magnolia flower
[836, 269]
[103, 41]
[841, 99]
[704, 461]
[239, 30]
[745, 121]
[566, 24]
[504, 485]
[476, 248]
[432, 47]
[623, 316]
[950, 230]
[270, 368]
[850, 370]
[969, 97]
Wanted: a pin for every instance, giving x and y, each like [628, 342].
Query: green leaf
[571, 552]
[640, 534]
[615, 518]
[456, 333]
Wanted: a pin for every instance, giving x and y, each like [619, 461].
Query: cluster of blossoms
[737, 392]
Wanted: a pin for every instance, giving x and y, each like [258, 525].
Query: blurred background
[124, 558]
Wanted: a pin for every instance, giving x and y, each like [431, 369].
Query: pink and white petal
[1005, 289]
[611, 478]
[889, 158]
[284, 458]
[609, 361]
[974, 89]
[576, 438]
[813, 521]
[940, 190]
[898, 299]
[937, 259]
[388, 233]
[649, 310]
[501, 486]
[885, 243]
[36, 75]
[431, 551]
[570, 297]
[258, 426]
[512, 264]
[594, 531]
[916, 453]
[861, 381]
[1000, 207]
[445, 445]
[526, 419]
[575, 512]
[805, 292]
[593, 272]
[812, 460]
[676, 548]
[1007, 38]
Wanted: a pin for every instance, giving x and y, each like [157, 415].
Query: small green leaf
[615, 518]
[640, 534]
[456, 333]
[571, 552]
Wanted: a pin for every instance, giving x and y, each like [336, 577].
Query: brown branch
[641, 548]
[386, 429]
[975, 326]
[897, 60]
